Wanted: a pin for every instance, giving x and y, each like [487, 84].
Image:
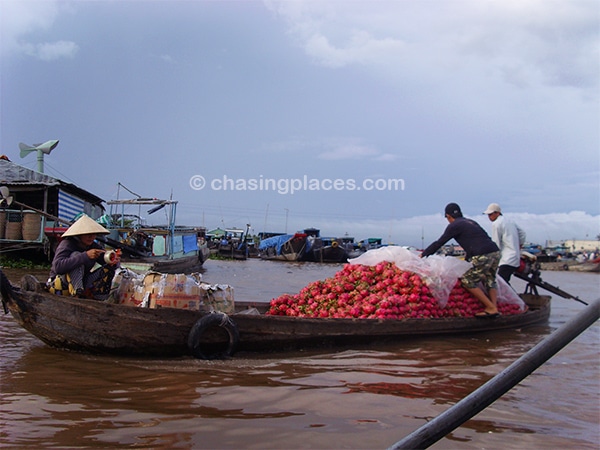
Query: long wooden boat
[235, 246]
[166, 249]
[286, 247]
[105, 328]
[327, 250]
[574, 266]
[165, 264]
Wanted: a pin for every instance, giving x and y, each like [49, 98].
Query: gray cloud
[51, 51]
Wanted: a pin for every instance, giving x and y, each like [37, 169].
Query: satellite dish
[41, 149]
[5, 198]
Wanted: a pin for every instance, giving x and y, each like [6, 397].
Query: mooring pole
[484, 396]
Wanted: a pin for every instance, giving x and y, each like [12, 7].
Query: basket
[2, 224]
[32, 224]
[13, 226]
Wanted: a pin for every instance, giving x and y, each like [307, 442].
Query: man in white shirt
[509, 238]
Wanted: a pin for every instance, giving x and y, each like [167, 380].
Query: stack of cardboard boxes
[161, 290]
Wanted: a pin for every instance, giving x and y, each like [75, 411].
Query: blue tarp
[190, 243]
[177, 244]
[275, 241]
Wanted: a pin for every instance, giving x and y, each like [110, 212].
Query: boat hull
[231, 252]
[259, 333]
[293, 249]
[330, 254]
[287, 256]
[98, 327]
[186, 264]
[572, 266]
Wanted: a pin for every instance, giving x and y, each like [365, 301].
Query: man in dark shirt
[481, 252]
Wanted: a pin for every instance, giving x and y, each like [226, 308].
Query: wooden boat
[364, 246]
[326, 249]
[285, 247]
[585, 267]
[575, 266]
[105, 328]
[234, 244]
[232, 251]
[188, 264]
[166, 249]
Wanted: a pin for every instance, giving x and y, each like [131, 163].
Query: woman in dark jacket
[76, 255]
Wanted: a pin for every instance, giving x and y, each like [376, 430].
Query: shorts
[483, 271]
[61, 285]
[96, 284]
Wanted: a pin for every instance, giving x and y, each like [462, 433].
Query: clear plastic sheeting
[181, 291]
[506, 294]
[439, 272]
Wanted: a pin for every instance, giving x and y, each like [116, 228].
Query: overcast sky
[464, 101]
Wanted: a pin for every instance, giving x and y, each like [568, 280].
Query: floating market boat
[107, 328]
[234, 244]
[588, 266]
[165, 248]
[285, 247]
[326, 249]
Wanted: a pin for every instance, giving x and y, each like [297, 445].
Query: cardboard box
[127, 288]
[159, 290]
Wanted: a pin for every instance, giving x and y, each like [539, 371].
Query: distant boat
[234, 244]
[284, 247]
[327, 249]
[364, 246]
[572, 265]
[161, 248]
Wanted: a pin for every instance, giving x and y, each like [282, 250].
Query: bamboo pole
[484, 396]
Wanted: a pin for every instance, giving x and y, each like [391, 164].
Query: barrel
[14, 226]
[2, 223]
[32, 224]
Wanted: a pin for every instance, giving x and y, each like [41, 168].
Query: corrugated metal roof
[12, 174]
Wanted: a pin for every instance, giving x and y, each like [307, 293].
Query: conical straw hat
[85, 225]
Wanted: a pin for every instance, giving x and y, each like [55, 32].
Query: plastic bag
[124, 281]
[506, 294]
[438, 272]
[444, 271]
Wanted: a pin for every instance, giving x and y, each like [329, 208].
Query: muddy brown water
[354, 398]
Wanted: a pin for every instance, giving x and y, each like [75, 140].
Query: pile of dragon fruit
[382, 291]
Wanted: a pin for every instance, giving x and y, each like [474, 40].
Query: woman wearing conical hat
[76, 255]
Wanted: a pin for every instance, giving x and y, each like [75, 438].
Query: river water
[345, 398]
